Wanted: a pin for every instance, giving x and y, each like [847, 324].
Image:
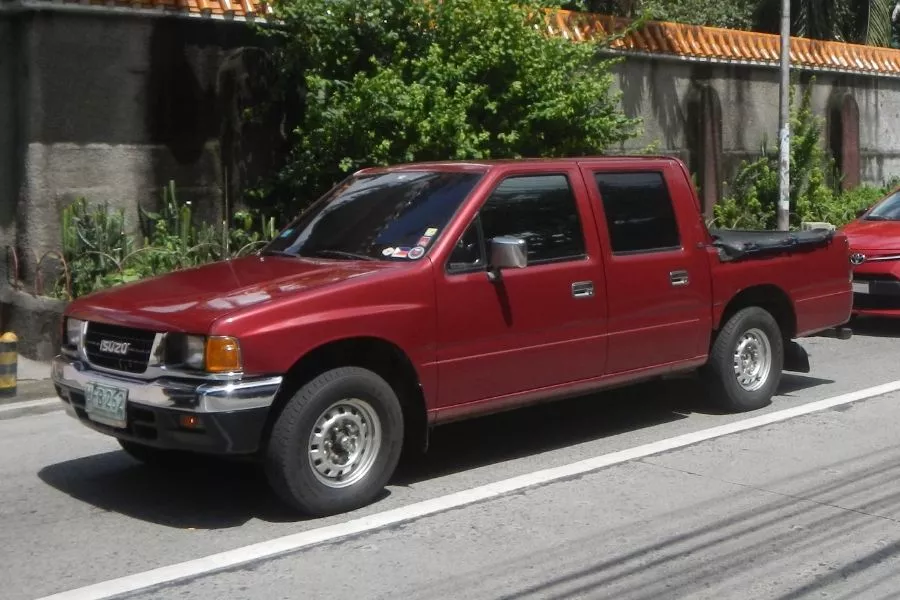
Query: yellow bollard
[9, 360]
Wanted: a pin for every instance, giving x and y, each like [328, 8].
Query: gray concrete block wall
[116, 107]
[656, 90]
[11, 74]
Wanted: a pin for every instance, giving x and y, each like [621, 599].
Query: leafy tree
[879, 27]
[855, 21]
[737, 14]
[386, 81]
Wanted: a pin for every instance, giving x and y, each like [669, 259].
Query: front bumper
[230, 416]
[880, 296]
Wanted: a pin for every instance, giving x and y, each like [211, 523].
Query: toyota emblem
[857, 258]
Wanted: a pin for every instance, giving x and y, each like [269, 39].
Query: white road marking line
[29, 404]
[291, 543]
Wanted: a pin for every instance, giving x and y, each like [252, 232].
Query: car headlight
[195, 351]
[74, 332]
[215, 354]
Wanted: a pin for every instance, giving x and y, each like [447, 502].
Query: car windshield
[387, 216]
[886, 210]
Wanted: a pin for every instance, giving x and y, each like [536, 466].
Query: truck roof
[484, 165]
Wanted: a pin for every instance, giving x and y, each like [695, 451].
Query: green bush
[99, 252]
[843, 207]
[392, 81]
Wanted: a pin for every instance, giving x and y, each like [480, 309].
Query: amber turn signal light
[190, 422]
[223, 354]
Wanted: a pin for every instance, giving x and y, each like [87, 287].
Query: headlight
[194, 351]
[74, 332]
[215, 354]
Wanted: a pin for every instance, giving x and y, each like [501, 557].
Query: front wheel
[746, 361]
[336, 443]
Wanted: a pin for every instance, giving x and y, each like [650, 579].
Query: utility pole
[784, 121]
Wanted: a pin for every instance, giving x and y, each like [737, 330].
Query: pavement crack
[769, 491]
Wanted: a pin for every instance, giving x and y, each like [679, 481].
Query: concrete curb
[31, 390]
[28, 408]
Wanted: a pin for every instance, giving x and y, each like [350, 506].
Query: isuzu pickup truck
[414, 295]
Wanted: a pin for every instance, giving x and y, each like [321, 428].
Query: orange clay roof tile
[726, 45]
[672, 39]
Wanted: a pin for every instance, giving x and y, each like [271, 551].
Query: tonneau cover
[734, 244]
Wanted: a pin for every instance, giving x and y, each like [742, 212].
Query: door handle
[582, 289]
[679, 278]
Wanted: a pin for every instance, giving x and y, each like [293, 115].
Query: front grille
[136, 357]
[875, 302]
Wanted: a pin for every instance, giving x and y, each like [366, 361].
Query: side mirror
[508, 252]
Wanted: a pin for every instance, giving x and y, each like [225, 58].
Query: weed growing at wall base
[99, 253]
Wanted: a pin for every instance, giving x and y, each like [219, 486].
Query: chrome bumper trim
[187, 395]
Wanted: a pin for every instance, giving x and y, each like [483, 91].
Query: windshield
[886, 210]
[388, 216]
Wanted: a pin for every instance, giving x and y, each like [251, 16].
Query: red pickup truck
[410, 296]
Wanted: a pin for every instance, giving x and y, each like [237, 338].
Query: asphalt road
[806, 507]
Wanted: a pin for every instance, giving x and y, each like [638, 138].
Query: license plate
[860, 287]
[106, 404]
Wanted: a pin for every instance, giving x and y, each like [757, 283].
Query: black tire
[721, 381]
[155, 457]
[288, 455]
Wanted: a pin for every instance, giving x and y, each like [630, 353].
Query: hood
[873, 235]
[193, 299]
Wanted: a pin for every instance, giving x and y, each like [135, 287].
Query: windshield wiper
[342, 254]
[278, 253]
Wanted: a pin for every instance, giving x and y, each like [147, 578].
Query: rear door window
[639, 212]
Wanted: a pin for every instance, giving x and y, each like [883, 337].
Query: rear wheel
[746, 361]
[336, 443]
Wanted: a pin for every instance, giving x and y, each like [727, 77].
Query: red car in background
[875, 255]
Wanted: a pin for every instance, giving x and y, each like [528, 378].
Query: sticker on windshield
[286, 233]
[423, 241]
[430, 232]
[400, 253]
[417, 253]
[387, 251]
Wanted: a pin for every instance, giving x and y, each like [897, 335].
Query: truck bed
[735, 244]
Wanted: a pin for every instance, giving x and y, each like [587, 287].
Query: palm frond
[878, 28]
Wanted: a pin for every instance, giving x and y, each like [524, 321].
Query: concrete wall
[11, 115]
[110, 108]
[656, 91]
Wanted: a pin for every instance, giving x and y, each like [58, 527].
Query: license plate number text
[106, 404]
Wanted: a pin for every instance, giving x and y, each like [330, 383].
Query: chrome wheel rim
[344, 443]
[753, 360]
